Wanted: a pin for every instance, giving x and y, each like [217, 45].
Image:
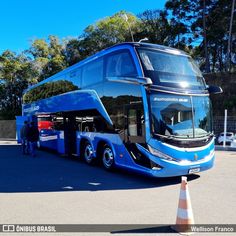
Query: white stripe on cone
[184, 195]
[185, 213]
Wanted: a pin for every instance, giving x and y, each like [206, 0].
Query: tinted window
[92, 73]
[58, 122]
[75, 77]
[48, 90]
[120, 65]
[135, 119]
[44, 118]
[171, 70]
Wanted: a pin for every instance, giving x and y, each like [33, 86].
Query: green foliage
[48, 57]
[107, 32]
[16, 71]
[217, 18]
[73, 51]
[179, 25]
[159, 29]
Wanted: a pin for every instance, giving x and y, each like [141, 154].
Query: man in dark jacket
[33, 138]
[24, 133]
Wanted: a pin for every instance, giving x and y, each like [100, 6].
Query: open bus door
[19, 124]
[69, 121]
[135, 132]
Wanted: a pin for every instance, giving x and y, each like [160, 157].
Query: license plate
[194, 170]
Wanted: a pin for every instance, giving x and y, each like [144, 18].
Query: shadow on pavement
[146, 229]
[49, 172]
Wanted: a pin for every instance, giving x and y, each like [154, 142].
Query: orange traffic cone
[184, 218]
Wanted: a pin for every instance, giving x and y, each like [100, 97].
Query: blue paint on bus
[137, 106]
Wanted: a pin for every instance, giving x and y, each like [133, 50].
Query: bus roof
[108, 50]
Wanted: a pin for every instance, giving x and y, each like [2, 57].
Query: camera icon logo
[8, 228]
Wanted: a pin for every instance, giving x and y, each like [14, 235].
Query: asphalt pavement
[50, 189]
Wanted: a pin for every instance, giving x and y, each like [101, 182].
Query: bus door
[134, 124]
[69, 120]
[135, 133]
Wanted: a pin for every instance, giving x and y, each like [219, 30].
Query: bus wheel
[88, 153]
[108, 157]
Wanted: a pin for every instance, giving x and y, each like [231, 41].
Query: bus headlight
[161, 154]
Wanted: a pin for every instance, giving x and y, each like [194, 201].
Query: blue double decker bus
[138, 106]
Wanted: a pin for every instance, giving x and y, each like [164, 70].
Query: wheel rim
[108, 158]
[88, 153]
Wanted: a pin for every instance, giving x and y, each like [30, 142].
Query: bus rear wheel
[87, 152]
[107, 157]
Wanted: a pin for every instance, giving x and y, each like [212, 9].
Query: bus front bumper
[173, 168]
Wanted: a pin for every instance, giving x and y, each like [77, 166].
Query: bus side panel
[48, 138]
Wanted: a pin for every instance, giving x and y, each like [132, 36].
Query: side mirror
[133, 80]
[214, 89]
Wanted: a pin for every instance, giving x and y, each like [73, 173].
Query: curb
[227, 148]
[8, 142]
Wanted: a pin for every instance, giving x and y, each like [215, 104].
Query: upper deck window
[92, 72]
[171, 70]
[120, 64]
[49, 89]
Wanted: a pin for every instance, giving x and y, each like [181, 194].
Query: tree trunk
[207, 64]
[228, 64]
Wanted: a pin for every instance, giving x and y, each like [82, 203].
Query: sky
[22, 21]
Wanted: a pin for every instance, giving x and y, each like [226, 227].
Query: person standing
[24, 133]
[33, 138]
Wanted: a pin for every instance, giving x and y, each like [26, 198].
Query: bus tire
[87, 153]
[107, 157]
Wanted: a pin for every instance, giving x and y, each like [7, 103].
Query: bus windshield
[180, 116]
[171, 70]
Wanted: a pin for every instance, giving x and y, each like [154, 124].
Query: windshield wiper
[208, 135]
[165, 136]
[174, 137]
